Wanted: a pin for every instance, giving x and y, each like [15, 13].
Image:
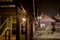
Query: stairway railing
[4, 28]
[7, 25]
[3, 23]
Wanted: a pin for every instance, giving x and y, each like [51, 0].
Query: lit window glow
[42, 25]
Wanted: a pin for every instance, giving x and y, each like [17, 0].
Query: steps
[6, 25]
[12, 38]
[3, 27]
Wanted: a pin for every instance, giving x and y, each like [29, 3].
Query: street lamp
[39, 18]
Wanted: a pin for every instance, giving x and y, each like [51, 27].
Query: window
[42, 25]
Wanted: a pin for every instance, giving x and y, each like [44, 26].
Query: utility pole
[32, 25]
[33, 8]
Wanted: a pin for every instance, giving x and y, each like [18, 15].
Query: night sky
[49, 7]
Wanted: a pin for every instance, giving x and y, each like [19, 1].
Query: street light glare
[40, 17]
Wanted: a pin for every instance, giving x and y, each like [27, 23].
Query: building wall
[8, 11]
[57, 26]
[46, 23]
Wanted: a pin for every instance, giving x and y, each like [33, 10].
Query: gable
[47, 19]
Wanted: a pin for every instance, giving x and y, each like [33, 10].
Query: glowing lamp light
[40, 17]
[24, 19]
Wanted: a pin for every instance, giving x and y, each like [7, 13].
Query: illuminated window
[42, 25]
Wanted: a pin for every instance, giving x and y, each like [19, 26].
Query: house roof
[47, 19]
[56, 18]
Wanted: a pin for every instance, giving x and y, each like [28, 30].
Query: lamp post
[39, 18]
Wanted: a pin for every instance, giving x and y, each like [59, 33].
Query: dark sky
[49, 7]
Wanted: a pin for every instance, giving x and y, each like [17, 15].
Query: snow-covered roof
[47, 19]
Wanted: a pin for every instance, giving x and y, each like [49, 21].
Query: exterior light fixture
[40, 17]
[24, 19]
